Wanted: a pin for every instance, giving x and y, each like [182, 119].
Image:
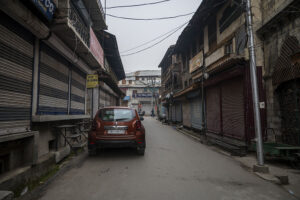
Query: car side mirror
[142, 118]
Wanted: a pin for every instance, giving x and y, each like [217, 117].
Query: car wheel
[141, 151]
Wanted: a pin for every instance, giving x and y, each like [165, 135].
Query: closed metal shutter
[213, 113]
[196, 112]
[173, 113]
[16, 63]
[178, 113]
[101, 99]
[169, 113]
[233, 108]
[78, 93]
[89, 101]
[186, 113]
[146, 107]
[54, 83]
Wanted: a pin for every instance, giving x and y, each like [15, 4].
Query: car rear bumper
[116, 144]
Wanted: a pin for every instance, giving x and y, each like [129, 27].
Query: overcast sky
[133, 33]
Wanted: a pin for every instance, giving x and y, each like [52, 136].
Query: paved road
[174, 167]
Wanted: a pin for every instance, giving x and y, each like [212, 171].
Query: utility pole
[202, 96]
[257, 121]
[152, 88]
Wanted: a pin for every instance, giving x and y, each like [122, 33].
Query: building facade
[142, 90]
[47, 50]
[212, 52]
[280, 35]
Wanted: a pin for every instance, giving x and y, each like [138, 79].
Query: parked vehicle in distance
[115, 127]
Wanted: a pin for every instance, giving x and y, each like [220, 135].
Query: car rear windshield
[123, 115]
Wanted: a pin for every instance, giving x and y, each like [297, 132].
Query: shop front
[229, 108]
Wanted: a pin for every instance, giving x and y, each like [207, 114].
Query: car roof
[119, 107]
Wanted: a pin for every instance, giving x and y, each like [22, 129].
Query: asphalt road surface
[174, 167]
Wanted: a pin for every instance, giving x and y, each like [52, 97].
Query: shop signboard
[196, 62]
[46, 7]
[96, 48]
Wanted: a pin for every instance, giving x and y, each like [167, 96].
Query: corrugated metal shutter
[213, 113]
[16, 63]
[89, 101]
[178, 113]
[78, 92]
[54, 83]
[186, 113]
[101, 98]
[169, 113]
[196, 112]
[233, 108]
[147, 108]
[173, 113]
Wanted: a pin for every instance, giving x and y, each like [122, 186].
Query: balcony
[72, 24]
[77, 22]
[97, 14]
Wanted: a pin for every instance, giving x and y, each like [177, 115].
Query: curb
[189, 135]
[39, 191]
[267, 177]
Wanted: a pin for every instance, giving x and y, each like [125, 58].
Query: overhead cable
[148, 19]
[160, 41]
[160, 36]
[137, 5]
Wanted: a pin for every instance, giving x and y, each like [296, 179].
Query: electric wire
[159, 37]
[172, 34]
[156, 38]
[137, 5]
[160, 41]
[150, 19]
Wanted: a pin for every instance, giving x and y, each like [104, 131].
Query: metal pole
[152, 94]
[202, 96]
[259, 144]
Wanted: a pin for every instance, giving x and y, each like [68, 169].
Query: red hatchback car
[115, 127]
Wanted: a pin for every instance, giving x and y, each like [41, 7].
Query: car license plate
[116, 131]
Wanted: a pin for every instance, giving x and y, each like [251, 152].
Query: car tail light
[138, 125]
[96, 125]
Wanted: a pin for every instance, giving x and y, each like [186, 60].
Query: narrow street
[174, 167]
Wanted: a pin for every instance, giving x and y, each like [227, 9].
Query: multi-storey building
[212, 50]
[280, 35]
[142, 90]
[47, 50]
